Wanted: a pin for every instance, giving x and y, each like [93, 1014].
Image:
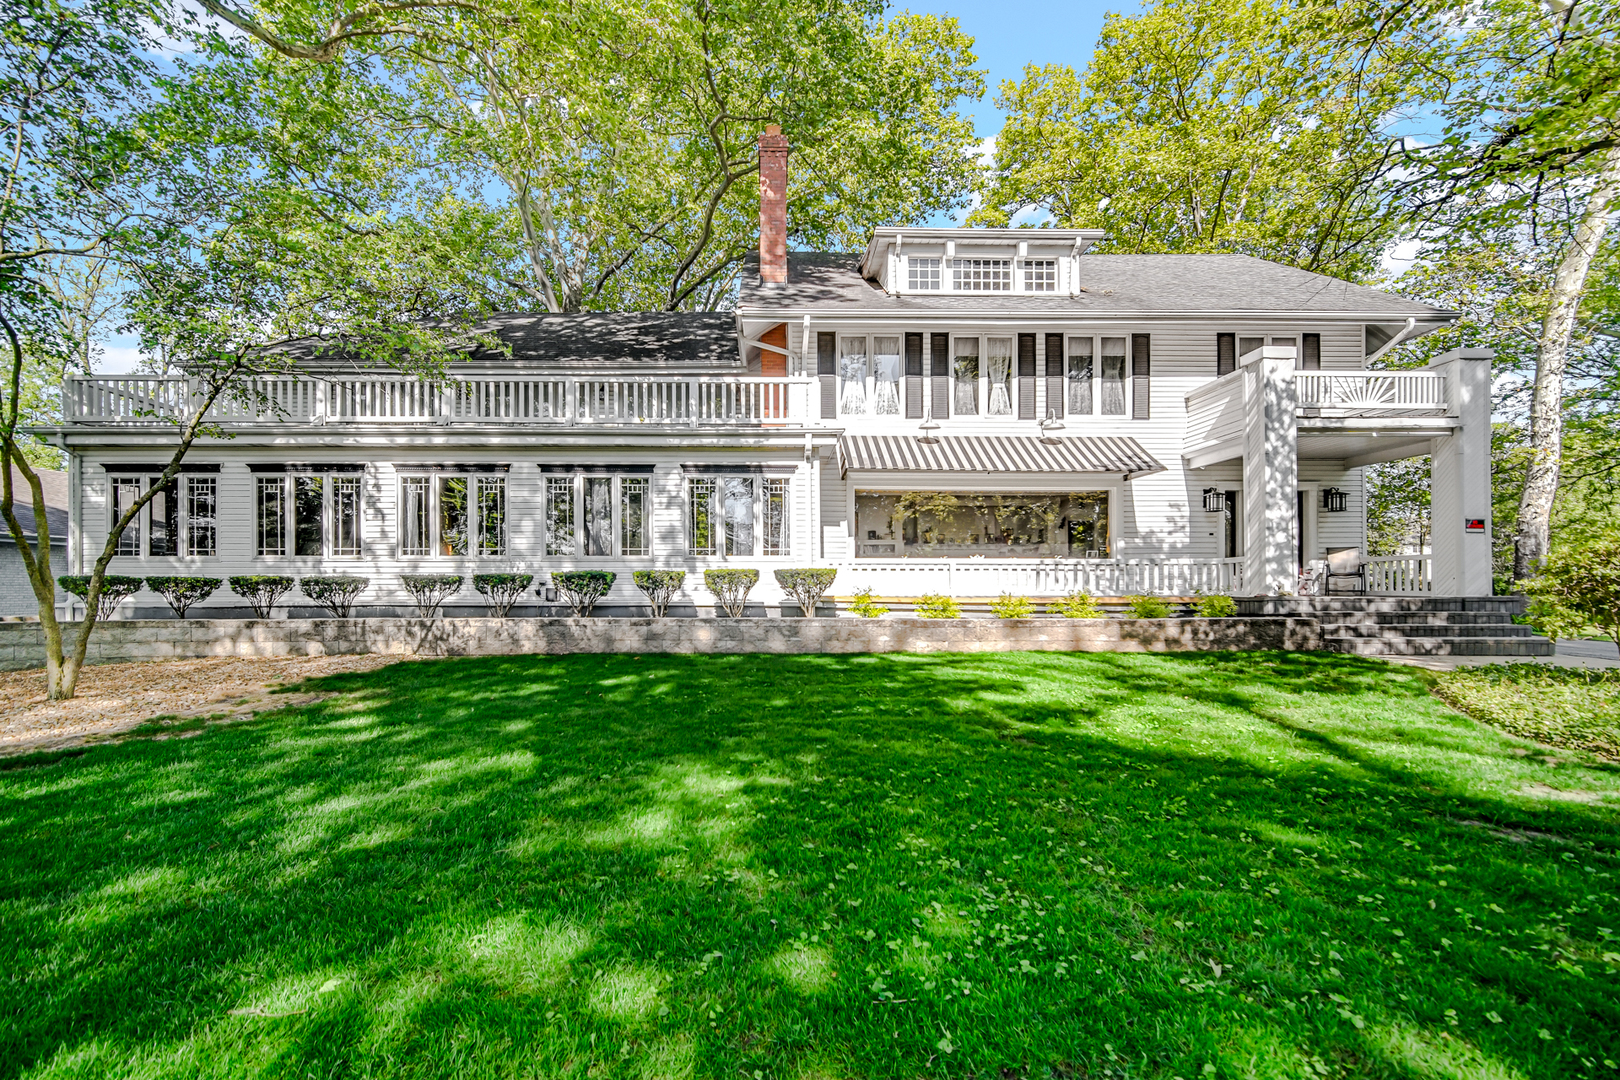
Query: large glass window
[777, 516]
[271, 505]
[126, 492]
[163, 538]
[202, 502]
[598, 515]
[922, 273]
[886, 376]
[1079, 381]
[345, 516]
[966, 370]
[492, 515]
[944, 524]
[1113, 376]
[700, 499]
[852, 377]
[999, 361]
[453, 520]
[415, 517]
[633, 516]
[981, 275]
[559, 515]
[309, 505]
[737, 508]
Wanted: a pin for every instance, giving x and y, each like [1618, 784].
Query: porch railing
[1399, 574]
[702, 400]
[991, 577]
[1371, 393]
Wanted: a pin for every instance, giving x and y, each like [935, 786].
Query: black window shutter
[939, 347]
[914, 370]
[1026, 376]
[1225, 354]
[1054, 374]
[827, 372]
[1141, 377]
[1310, 353]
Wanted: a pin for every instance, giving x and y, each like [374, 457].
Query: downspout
[1406, 332]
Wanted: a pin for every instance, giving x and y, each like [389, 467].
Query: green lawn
[995, 866]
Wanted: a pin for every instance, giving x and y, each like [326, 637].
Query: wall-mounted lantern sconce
[1214, 501]
[1335, 501]
[1050, 428]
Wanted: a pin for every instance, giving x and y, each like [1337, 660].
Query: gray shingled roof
[1112, 284]
[55, 485]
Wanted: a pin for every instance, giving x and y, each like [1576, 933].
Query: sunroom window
[597, 515]
[314, 515]
[950, 524]
[179, 519]
[739, 515]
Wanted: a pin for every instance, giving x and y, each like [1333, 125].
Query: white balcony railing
[696, 401]
[1028, 577]
[1371, 393]
[1399, 575]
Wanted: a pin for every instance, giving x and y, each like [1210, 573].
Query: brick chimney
[773, 154]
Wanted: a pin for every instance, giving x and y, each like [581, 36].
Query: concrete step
[1326, 605]
[1424, 630]
[1414, 618]
[1440, 646]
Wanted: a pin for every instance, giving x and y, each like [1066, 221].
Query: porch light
[1049, 429]
[1335, 501]
[1214, 501]
[929, 428]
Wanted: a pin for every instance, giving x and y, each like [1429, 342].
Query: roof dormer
[972, 261]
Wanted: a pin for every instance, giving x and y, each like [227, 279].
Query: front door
[1299, 531]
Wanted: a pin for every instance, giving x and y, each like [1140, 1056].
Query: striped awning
[996, 454]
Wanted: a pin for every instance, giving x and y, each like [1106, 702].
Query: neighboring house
[16, 594]
[968, 411]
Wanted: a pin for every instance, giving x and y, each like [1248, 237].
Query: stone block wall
[22, 646]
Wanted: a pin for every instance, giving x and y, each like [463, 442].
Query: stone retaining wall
[21, 644]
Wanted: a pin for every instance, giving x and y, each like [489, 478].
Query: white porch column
[1460, 478]
[1270, 473]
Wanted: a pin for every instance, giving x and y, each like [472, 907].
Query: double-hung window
[738, 514]
[180, 519]
[314, 514]
[599, 514]
[454, 514]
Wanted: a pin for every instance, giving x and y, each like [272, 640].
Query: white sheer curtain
[852, 377]
[886, 368]
[999, 361]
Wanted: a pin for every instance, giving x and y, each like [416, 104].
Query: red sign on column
[1474, 524]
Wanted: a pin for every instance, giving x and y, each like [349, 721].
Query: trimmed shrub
[1578, 587]
[1146, 607]
[1077, 605]
[261, 591]
[582, 588]
[938, 606]
[731, 588]
[115, 589]
[660, 587]
[863, 606]
[502, 590]
[336, 593]
[1215, 607]
[182, 592]
[1008, 606]
[430, 590]
[806, 586]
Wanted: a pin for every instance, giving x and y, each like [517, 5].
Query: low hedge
[430, 590]
[336, 593]
[502, 590]
[807, 586]
[261, 591]
[1146, 607]
[1077, 605]
[660, 587]
[583, 588]
[183, 592]
[115, 589]
[938, 606]
[731, 588]
[1215, 607]
[1008, 606]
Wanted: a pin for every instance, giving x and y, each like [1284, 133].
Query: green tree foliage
[1579, 587]
[502, 590]
[623, 136]
[261, 591]
[335, 592]
[660, 587]
[731, 588]
[1212, 126]
[806, 586]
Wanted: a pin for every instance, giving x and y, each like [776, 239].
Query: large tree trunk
[1532, 533]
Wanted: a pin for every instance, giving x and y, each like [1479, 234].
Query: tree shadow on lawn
[835, 866]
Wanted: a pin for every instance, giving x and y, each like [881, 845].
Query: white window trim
[289, 524]
[577, 480]
[142, 522]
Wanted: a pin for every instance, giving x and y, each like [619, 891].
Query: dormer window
[922, 273]
[981, 275]
[1040, 275]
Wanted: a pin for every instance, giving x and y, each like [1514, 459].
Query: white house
[968, 411]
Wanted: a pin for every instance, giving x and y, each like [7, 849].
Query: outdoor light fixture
[1049, 429]
[929, 427]
[1335, 501]
[1214, 501]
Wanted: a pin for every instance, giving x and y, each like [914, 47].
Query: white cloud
[118, 359]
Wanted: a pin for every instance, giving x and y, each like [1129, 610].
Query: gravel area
[113, 698]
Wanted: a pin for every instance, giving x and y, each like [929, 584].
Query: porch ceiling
[1351, 441]
[996, 454]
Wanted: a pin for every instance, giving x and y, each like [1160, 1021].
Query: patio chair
[1345, 563]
